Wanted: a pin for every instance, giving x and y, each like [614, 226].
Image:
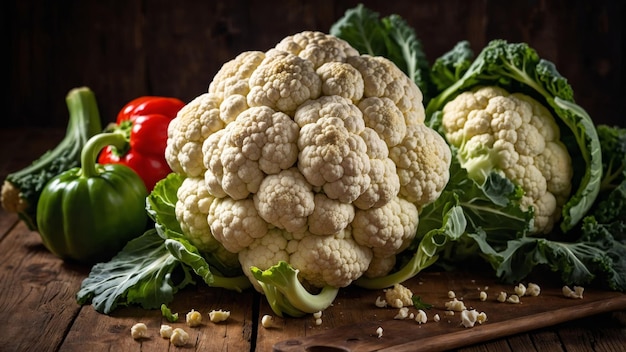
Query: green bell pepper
[87, 214]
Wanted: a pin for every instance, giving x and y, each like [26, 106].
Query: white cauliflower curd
[308, 153]
[517, 136]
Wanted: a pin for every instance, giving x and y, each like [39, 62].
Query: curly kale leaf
[391, 37]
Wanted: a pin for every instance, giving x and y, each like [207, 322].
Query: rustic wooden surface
[39, 311]
[127, 48]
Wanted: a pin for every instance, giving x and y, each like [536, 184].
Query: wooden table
[39, 311]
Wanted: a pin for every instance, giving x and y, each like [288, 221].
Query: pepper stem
[92, 148]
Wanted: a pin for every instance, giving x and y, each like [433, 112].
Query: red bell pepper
[143, 121]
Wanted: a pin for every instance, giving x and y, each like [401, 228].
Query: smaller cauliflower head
[516, 135]
[308, 153]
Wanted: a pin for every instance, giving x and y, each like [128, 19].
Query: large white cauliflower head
[310, 153]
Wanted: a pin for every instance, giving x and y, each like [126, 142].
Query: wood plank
[504, 319]
[93, 331]
[37, 293]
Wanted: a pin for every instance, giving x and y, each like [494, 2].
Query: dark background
[122, 49]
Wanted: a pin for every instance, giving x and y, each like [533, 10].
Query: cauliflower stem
[286, 294]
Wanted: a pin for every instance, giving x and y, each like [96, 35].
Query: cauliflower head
[517, 136]
[308, 153]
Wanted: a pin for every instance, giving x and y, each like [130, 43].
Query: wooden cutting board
[503, 319]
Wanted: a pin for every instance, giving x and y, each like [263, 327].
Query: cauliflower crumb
[403, 313]
[380, 302]
[269, 322]
[411, 316]
[399, 296]
[421, 317]
[470, 317]
[139, 331]
[481, 318]
[179, 337]
[513, 299]
[318, 317]
[194, 318]
[576, 293]
[578, 290]
[455, 305]
[451, 294]
[217, 316]
[436, 318]
[520, 290]
[379, 332]
[166, 331]
[533, 290]
[449, 312]
[483, 296]
[501, 297]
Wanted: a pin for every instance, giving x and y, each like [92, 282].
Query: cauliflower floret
[192, 207]
[193, 318]
[399, 296]
[283, 82]
[166, 331]
[259, 141]
[317, 47]
[383, 79]
[335, 260]
[422, 160]
[139, 331]
[388, 229]
[331, 106]
[218, 316]
[235, 223]
[342, 80]
[285, 200]
[384, 179]
[384, 117]
[333, 158]
[179, 337]
[264, 252]
[193, 124]
[232, 78]
[518, 136]
[380, 266]
[329, 216]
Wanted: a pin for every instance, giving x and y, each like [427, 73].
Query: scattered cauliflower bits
[577, 292]
[516, 135]
[139, 331]
[399, 296]
[166, 331]
[455, 305]
[403, 313]
[179, 337]
[218, 316]
[470, 317]
[421, 317]
[308, 153]
[270, 322]
[194, 318]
